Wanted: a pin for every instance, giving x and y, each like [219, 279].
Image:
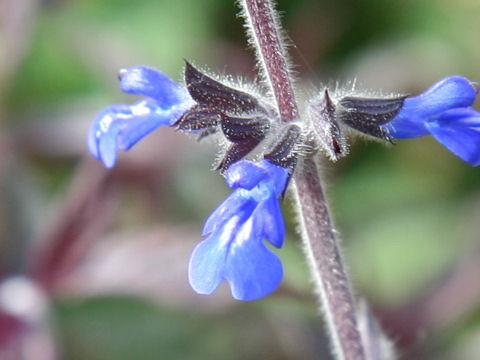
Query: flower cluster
[234, 248]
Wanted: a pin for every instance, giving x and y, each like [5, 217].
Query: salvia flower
[234, 249]
[444, 111]
[122, 126]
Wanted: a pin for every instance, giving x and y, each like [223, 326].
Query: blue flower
[234, 249]
[445, 112]
[123, 125]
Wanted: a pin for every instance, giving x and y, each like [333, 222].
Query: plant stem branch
[318, 235]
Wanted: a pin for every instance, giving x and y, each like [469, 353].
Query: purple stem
[263, 26]
[321, 246]
[322, 249]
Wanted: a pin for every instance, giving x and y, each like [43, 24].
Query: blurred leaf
[400, 251]
[125, 329]
[149, 263]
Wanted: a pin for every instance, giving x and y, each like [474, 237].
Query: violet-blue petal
[107, 146]
[245, 174]
[103, 132]
[145, 117]
[406, 125]
[277, 175]
[273, 223]
[450, 92]
[102, 123]
[252, 270]
[123, 126]
[459, 131]
[237, 204]
[206, 265]
[143, 80]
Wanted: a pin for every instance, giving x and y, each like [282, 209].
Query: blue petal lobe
[107, 146]
[273, 224]
[206, 265]
[459, 131]
[142, 80]
[103, 123]
[252, 270]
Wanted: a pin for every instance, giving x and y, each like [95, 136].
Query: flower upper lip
[122, 126]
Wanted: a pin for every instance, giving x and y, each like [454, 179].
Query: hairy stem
[317, 232]
[326, 263]
[263, 28]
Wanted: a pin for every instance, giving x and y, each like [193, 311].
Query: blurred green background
[408, 214]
